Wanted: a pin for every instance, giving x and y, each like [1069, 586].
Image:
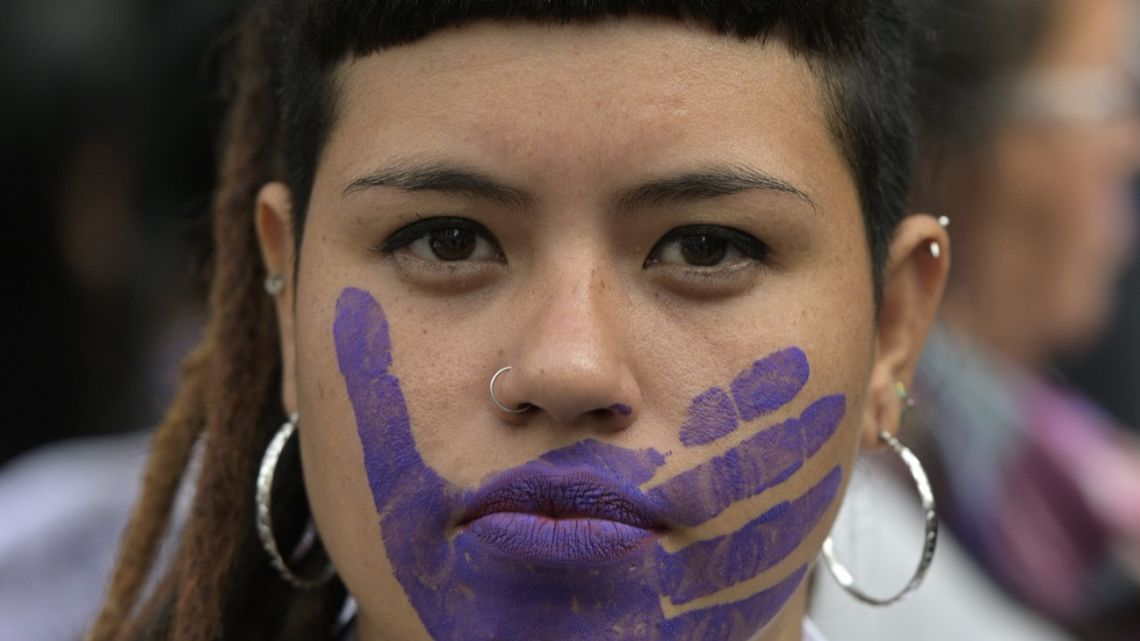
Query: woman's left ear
[913, 280]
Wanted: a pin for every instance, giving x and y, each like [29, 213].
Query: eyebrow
[706, 184]
[445, 179]
[679, 189]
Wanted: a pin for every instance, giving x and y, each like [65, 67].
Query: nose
[571, 361]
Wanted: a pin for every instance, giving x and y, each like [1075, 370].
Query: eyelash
[423, 229]
[750, 249]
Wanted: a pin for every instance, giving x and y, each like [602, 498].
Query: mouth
[560, 516]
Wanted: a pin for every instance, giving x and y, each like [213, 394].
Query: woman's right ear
[273, 219]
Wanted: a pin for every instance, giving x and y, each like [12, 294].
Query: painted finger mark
[364, 354]
[767, 385]
[707, 567]
[758, 463]
[771, 383]
[737, 620]
[711, 416]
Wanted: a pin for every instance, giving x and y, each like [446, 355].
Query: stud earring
[935, 247]
[274, 284]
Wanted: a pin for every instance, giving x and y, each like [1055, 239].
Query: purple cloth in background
[1037, 483]
[62, 513]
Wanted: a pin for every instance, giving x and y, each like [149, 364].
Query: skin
[1043, 217]
[611, 350]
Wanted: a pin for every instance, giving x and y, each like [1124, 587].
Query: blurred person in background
[1031, 148]
[1110, 373]
[107, 160]
[106, 157]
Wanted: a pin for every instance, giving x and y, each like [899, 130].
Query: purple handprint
[566, 546]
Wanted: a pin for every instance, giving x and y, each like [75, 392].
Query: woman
[1041, 150]
[667, 238]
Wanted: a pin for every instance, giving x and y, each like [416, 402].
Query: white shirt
[878, 537]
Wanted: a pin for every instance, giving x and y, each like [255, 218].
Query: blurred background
[109, 113]
[108, 128]
[108, 121]
[109, 110]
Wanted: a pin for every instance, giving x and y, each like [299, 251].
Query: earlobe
[273, 219]
[914, 278]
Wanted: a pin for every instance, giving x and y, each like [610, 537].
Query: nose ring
[491, 388]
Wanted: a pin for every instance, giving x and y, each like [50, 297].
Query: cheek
[742, 476]
[333, 461]
[762, 465]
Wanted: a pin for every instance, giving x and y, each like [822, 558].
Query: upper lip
[577, 492]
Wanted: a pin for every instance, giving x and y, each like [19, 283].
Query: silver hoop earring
[929, 539]
[491, 388]
[264, 520]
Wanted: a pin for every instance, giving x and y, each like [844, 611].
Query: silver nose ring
[491, 388]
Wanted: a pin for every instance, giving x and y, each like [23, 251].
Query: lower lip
[532, 537]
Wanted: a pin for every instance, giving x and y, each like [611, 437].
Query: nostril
[615, 409]
[621, 409]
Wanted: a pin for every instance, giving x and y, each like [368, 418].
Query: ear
[913, 280]
[274, 221]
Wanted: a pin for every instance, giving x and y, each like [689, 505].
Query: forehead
[563, 105]
[1091, 32]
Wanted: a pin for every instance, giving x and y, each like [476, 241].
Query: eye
[445, 239]
[706, 247]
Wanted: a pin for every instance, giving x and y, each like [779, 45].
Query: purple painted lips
[558, 516]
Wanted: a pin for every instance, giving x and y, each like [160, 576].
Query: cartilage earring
[935, 247]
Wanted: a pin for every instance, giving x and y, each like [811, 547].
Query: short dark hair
[860, 50]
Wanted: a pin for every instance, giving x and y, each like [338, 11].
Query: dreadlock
[219, 583]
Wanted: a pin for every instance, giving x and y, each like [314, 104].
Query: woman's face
[653, 227]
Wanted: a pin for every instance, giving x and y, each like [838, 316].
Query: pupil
[703, 251]
[453, 244]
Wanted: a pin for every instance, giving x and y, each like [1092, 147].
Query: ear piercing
[935, 248]
[904, 397]
[274, 284]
